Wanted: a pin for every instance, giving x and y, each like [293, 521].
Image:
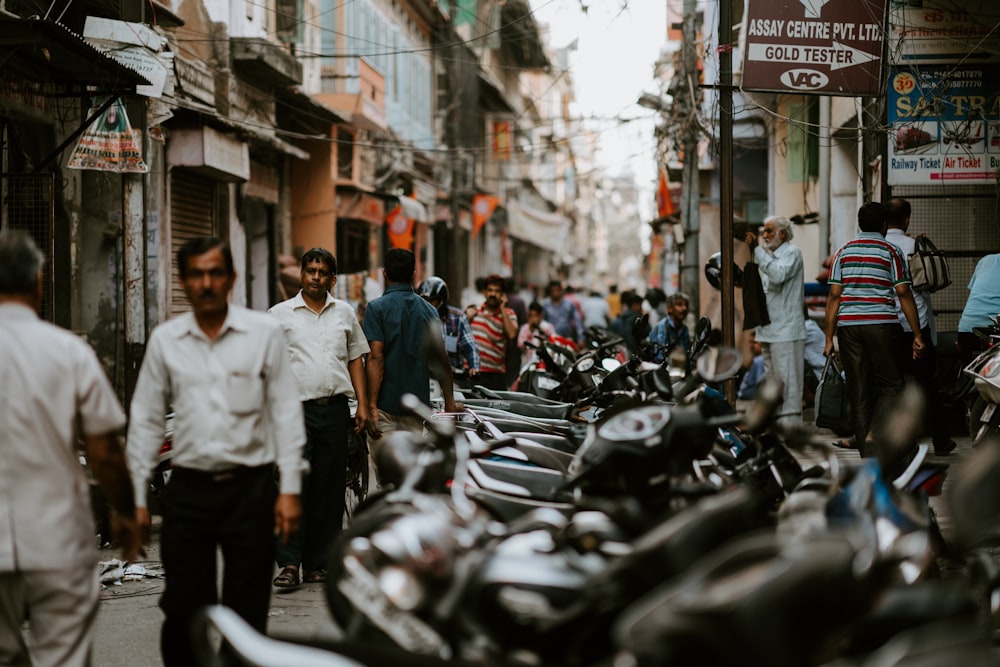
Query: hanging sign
[110, 143]
[822, 47]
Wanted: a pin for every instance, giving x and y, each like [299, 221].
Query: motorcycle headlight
[401, 587]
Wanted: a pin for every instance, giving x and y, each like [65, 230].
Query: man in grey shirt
[225, 370]
[52, 389]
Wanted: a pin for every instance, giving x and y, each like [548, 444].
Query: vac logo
[804, 79]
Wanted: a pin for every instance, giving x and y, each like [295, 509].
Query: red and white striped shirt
[868, 268]
[487, 328]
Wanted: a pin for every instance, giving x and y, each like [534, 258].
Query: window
[803, 142]
[287, 20]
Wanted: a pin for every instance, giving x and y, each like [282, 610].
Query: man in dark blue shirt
[396, 325]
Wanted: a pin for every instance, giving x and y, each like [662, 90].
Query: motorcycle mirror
[609, 364]
[641, 328]
[438, 364]
[762, 410]
[702, 329]
[719, 363]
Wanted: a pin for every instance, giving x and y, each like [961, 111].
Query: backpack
[928, 267]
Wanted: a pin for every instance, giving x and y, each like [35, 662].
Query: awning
[298, 111]
[541, 228]
[253, 133]
[46, 52]
[358, 205]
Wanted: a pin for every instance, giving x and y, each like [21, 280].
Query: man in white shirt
[784, 339]
[327, 345]
[52, 390]
[226, 372]
[924, 367]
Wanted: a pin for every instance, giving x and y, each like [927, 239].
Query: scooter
[984, 418]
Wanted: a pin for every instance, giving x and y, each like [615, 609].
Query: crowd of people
[262, 399]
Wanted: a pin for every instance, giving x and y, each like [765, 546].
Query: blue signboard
[945, 124]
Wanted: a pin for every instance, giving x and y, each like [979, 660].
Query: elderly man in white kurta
[784, 339]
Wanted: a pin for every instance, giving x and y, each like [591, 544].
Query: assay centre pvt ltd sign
[829, 47]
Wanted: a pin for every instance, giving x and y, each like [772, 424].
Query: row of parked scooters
[630, 516]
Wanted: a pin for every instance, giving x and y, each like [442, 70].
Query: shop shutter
[192, 200]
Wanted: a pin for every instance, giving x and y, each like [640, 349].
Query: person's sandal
[287, 578]
[314, 577]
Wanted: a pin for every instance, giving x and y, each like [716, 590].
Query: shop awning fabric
[47, 52]
[541, 228]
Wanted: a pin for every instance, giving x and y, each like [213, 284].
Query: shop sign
[822, 47]
[945, 125]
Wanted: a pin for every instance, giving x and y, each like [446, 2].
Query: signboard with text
[828, 47]
[945, 123]
[924, 36]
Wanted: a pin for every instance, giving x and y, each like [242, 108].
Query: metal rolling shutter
[192, 206]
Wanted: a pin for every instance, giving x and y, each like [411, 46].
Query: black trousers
[872, 355]
[201, 512]
[923, 370]
[323, 488]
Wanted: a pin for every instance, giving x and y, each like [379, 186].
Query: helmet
[434, 289]
[713, 272]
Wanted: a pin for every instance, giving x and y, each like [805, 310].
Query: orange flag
[400, 228]
[664, 204]
[482, 208]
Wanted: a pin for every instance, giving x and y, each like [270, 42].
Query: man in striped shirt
[493, 326]
[867, 273]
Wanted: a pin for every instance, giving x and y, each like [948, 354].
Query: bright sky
[613, 64]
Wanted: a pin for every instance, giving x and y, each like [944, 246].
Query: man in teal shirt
[396, 324]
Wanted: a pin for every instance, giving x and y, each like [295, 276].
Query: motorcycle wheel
[356, 485]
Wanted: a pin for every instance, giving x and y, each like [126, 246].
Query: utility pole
[690, 275]
[726, 178]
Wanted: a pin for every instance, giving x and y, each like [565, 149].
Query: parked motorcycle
[984, 418]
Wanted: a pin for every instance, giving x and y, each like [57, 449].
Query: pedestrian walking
[52, 388]
[866, 275]
[783, 341]
[225, 370]
[495, 328]
[326, 346]
[923, 369]
[562, 313]
[396, 325]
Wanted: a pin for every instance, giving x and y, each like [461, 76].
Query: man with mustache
[327, 345]
[226, 372]
[494, 326]
[783, 341]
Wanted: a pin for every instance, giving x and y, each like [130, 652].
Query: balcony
[365, 108]
[264, 63]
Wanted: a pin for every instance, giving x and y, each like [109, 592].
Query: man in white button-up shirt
[327, 347]
[225, 370]
[784, 339]
[924, 367]
[52, 390]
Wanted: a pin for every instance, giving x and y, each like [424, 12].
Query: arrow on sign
[836, 56]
